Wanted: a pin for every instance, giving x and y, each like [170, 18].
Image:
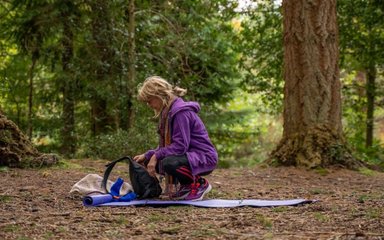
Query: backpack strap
[108, 170]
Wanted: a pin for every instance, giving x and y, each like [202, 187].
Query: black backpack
[144, 185]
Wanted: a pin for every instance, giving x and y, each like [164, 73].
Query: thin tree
[68, 147]
[312, 133]
[131, 62]
[362, 41]
[101, 34]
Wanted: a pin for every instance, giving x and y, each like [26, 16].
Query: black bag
[144, 185]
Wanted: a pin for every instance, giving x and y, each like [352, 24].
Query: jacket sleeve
[149, 154]
[181, 136]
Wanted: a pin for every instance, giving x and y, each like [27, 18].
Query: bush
[118, 144]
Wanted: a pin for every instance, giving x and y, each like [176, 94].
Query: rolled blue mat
[94, 200]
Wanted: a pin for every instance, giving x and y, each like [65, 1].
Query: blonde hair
[156, 86]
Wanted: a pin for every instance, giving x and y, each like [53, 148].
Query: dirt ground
[35, 204]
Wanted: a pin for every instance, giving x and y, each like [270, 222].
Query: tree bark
[312, 133]
[131, 63]
[30, 97]
[371, 93]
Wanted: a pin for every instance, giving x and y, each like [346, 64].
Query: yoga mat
[94, 200]
[209, 203]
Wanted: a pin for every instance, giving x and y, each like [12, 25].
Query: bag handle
[109, 168]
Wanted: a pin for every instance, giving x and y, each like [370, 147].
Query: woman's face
[155, 103]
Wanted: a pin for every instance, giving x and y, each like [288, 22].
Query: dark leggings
[178, 167]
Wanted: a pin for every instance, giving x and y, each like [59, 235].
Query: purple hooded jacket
[188, 136]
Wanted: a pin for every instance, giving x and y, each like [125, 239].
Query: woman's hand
[139, 158]
[151, 167]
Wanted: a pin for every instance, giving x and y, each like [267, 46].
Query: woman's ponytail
[178, 91]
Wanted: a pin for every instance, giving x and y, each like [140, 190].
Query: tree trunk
[131, 63]
[68, 147]
[16, 150]
[99, 116]
[30, 98]
[312, 134]
[371, 93]
[101, 33]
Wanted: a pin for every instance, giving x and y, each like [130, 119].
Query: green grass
[321, 171]
[65, 164]
[207, 231]
[215, 193]
[5, 198]
[49, 235]
[268, 236]
[122, 220]
[154, 218]
[23, 238]
[280, 209]
[367, 172]
[362, 198]
[4, 169]
[114, 234]
[373, 213]
[316, 191]
[321, 217]
[264, 221]
[171, 230]
[11, 228]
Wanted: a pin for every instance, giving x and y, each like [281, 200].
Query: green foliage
[361, 33]
[204, 46]
[188, 43]
[242, 134]
[115, 145]
[361, 48]
[260, 41]
[192, 45]
[354, 124]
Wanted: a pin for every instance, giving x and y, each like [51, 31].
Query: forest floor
[36, 204]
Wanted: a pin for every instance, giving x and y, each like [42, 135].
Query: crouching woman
[185, 151]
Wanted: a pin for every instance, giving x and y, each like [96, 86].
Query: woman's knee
[169, 164]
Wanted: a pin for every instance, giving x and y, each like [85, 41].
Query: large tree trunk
[312, 103]
[17, 151]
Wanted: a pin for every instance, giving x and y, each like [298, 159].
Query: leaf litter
[36, 204]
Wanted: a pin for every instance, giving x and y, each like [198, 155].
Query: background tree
[38, 28]
[131, 63]
[260, 42]
[85, 79]
[362, 42]
[86, 65]
[313, 134]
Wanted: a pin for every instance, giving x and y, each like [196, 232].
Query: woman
[185, 151]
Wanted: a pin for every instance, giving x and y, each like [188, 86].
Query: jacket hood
[179, 105]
